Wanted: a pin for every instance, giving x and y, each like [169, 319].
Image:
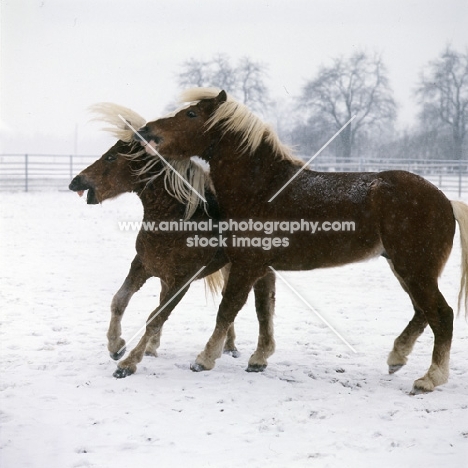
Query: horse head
[183, 134]
[111, 175]
[116, 171]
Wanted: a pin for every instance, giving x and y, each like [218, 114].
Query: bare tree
[356, 86]
[251, 85]
[443, 93]
[246, 81]
[222, 74]
[194, 73]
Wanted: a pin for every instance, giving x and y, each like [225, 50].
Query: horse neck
[234, 172]
[157, 203]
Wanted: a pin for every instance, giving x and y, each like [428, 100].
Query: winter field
[317, 404]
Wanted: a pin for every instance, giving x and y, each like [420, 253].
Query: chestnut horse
[126, 168]
[396, 214]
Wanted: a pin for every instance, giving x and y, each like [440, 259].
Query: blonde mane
[192, 172]
[108, 113]
[233, 116]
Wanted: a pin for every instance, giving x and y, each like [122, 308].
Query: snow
[317, 404]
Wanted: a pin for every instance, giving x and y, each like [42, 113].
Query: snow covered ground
[317, 404]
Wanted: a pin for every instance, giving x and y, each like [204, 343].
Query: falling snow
[317, 404]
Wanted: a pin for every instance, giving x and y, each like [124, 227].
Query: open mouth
[79, 186]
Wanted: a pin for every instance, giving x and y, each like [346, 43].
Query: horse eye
[191, 114]
[110, 157]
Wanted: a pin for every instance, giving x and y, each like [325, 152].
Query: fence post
[71, 166]
[459, 178]
[26, 161]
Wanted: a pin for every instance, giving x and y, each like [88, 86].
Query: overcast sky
[58, 57]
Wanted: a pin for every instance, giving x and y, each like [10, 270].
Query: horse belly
[323, 251]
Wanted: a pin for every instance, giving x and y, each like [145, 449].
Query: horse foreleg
[155, 340]
[135, 279]
[235, 295]
[153, 326]
[264, 290]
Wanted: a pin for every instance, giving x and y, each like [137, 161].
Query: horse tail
[460, 211]
[214, 282]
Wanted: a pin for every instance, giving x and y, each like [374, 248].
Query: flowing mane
[236, 117]
[108, 113]
[192, 172]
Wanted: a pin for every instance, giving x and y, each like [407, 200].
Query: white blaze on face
[151, 144]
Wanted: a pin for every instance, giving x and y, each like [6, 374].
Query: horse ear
[222, 96]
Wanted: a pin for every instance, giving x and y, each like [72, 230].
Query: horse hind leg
[264, 290]
[135, 279]
[440, 320]
[431, 307]
[403, 345]
[153, 344]
[230, 343]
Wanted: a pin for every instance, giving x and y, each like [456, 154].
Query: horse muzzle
[79, 184]
[145, 137]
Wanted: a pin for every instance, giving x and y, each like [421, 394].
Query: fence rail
[34, 172]
[448, 175]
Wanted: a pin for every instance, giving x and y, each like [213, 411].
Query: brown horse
[127, 168]
[396, 214]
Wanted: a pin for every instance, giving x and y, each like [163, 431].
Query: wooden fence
[34, 172]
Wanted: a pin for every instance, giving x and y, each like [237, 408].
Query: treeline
[353, 86]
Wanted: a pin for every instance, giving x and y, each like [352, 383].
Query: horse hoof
[195, 367]
[421, 386]
[121, 373]
[232, 352]
[418, 391]
[151, 353]
[256, 368]
[394, 368]
[117, 356]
